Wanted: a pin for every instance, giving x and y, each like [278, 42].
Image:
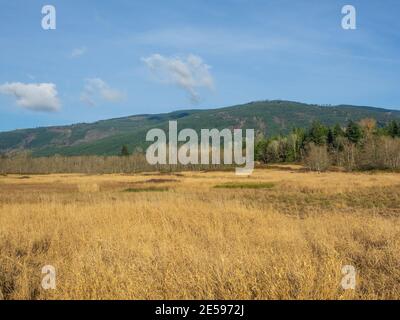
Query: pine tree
[393, 129]
[318, 133]
[338, 131]
[330, 137]
[124, 151]
[353, 132]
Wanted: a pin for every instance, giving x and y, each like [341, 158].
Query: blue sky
[116, 58]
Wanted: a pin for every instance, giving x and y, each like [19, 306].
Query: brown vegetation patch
[159, 181]
[10, 188]
[163, 174]
[150, 189]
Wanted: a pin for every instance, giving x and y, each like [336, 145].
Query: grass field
[280, 234]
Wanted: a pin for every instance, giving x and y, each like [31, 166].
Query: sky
[108, 59]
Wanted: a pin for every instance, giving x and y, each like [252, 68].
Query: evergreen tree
[260, 150]
[124, 151]
[353, 132]
[393, 129]
[318, 133]
[330, 137]
[338, 131]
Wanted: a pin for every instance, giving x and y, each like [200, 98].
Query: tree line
[24, 163]
[359, 145]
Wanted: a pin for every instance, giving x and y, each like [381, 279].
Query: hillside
[106, 137]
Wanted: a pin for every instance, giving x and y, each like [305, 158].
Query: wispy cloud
[77, 52]
[189, 73]
[97, 89]
[33, 96]
[288, 38]
[216, 41]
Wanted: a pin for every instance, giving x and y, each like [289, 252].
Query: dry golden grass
[179, 237]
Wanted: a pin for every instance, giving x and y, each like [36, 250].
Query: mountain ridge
[105, 137]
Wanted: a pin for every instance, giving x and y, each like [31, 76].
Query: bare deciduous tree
[317, 158]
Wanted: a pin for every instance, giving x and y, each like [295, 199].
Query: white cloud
[33, 96]
[96, 88]
[77, 52]
[188, 73]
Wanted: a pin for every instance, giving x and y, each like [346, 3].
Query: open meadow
[282, 233]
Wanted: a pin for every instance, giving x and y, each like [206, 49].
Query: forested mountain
[107, 136]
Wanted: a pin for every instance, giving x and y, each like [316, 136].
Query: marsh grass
[195, 242]
[234, 185]
[88, 187]
[148, 189]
